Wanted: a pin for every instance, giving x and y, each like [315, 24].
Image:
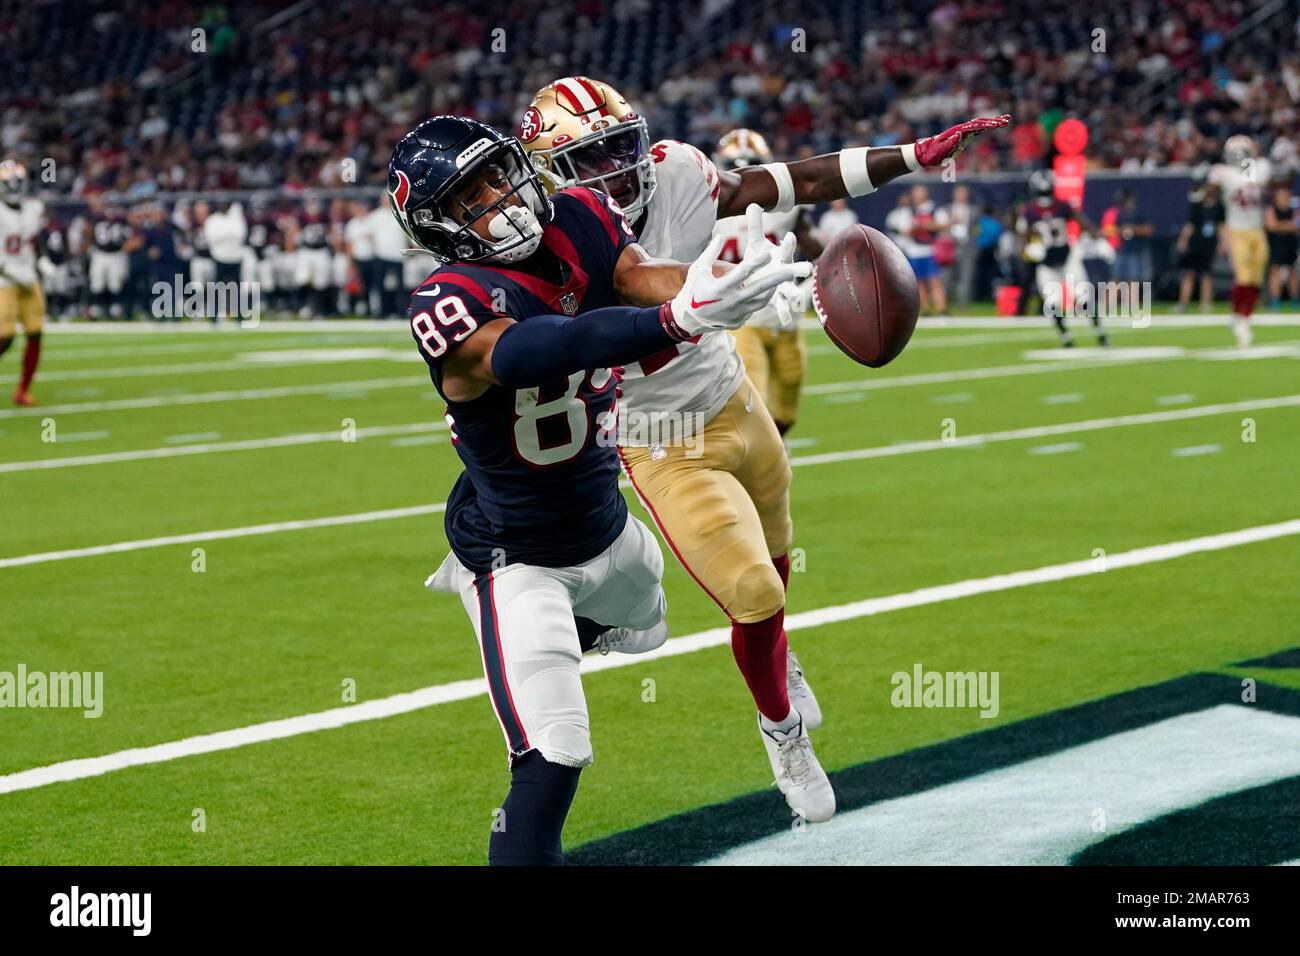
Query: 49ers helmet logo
[530, 127]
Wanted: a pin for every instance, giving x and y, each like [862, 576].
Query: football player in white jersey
[774, 355]
[1243, 178]
[704, 456]
[22, 302]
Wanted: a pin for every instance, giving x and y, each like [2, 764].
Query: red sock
[760, 651]
[31, 355]
[782, 564]
[1234, 297]
[1249, 296]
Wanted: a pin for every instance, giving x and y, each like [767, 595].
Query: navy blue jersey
[540, 484]
[1050, 224]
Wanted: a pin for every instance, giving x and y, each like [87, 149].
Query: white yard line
[228, 395]
[466, 689]
[1045, 431]
[213, 447]
[221, 534]
[254, 360]
[858, 454]
[1194, 451]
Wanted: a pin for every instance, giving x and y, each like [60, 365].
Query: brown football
[865, 295]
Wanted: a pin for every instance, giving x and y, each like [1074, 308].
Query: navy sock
[533, 814]
[588, 632]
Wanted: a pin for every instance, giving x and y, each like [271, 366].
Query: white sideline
[195, 537]
[213, 447]
[227, 395]
[466, 689]
[878, 451]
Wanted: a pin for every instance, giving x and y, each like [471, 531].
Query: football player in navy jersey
[1044, 228]
[523, 328]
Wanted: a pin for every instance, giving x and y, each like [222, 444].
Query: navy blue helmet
[450, 173]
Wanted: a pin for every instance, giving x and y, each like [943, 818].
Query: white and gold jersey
[19, 228]
[1244, 191]
[691, 378]
[735, 234]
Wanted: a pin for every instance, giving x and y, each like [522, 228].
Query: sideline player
[717, 484]
[775, 357]
[1044, 229]
[22, 302]
[520, 328]
[1241, 178]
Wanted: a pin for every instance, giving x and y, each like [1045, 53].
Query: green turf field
[230, 447]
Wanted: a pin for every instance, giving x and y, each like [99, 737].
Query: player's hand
[788, 298]
[932, 150]
[707, 302]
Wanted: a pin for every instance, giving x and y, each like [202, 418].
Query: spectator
[1198, 242]
[835, 220]
[1280, 222]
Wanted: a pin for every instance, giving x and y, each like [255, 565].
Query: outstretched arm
[850, 172]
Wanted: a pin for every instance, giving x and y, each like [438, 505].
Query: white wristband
[784, 186]
[853, 170]
[909, 156]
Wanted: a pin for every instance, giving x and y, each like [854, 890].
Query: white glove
[707, 303]
[788, 298]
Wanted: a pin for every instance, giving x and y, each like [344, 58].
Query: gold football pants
[1249, 252]
[25, 307]
[774, 360]
[723, 506]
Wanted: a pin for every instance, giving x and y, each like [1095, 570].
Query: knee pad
[759, 593]
[554, 711]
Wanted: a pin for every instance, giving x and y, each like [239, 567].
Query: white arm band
[909, 156]
[853, 170]
[784, 186]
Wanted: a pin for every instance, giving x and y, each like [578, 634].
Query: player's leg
[1051, 292]
[711, 523]
[620, 604]
[789, 359]
[764, 473]
[8, 317]
[1247, 267]
[753, 353]
[523, 619]
[31, 315]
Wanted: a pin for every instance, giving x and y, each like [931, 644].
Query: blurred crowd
[139, 98]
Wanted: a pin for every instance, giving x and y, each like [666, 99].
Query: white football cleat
[625, 640]
[1241, 329]
[802, 698]
[800, 777]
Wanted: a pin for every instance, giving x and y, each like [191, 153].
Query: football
[865, 296]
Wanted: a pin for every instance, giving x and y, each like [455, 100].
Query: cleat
[799, 776]
[802, 697]
[1241, 329]
[625, 640]
[23, 397]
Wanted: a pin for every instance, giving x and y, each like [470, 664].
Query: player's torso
[1050, 225]
[541, 469]
[19, 228]
[1244, 195]
[735, 235]
[690, 379]
[110, 235]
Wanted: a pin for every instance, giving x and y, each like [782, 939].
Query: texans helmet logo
[399, 194]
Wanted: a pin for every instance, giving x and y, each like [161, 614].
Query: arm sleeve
[547, 347]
